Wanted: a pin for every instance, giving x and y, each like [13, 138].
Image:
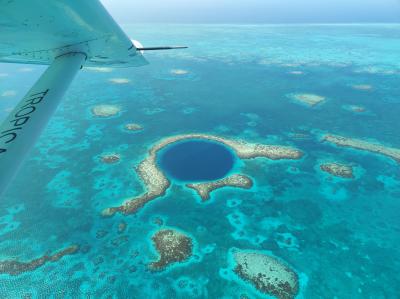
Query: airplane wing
[37, 31]
[67, 35]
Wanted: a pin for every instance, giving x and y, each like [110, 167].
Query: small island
[172, 247]
[267, 274]
[156, 182]
[338, 169]
[237, 180]
[105, 110]
[14, 267]
[310, 100]
[391, 152]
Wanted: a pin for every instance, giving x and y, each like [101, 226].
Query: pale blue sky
[254, 11]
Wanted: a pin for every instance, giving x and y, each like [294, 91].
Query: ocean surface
[341, 236]
[196, 161]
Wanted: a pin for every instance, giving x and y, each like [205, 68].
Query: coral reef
[267, 274]
[359, 144]
[236, 180]
[101, 234]
[119, 80]
[133, 127]
[106, 110]
[172, 247]
[9, 93]
[156, 182]
[355, 108]
[296, 73]
[14, 267]
[122, 227]
[99, 69]
[338, 170]
[119, 241]
[110, 158]
[310, 100]
[362, 87]
[158, 221]
[179, 72]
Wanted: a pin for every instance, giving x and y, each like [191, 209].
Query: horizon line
[261, 23]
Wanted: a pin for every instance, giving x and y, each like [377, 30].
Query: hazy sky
[254, 11]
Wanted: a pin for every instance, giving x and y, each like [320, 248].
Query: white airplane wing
[67, 35]
[37, 31]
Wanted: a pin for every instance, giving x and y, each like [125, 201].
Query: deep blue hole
[196, 161]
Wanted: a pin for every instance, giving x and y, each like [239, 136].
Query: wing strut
[25, 123]
[160, 48]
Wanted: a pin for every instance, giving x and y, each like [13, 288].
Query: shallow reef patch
[336, 169]
[14, 267]
[110, 158]
[307, 99]
[179, 72]
[364, 87]
[105, 110]
[363, 145]
[133, 127]
[119, 80]
[236, 180]
[9, 93]
[267, 274]
[172, 246]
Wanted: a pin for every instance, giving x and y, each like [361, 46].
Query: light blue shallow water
[236, 83]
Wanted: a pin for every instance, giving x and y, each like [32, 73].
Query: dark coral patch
[14, 267]
[172, 247]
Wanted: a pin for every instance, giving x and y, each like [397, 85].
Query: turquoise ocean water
[233, 81]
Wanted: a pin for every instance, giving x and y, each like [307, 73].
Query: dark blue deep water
[196, 160]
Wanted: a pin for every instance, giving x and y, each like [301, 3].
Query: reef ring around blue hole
[196, 160]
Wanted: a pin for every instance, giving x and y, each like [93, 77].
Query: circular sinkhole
[196, 160]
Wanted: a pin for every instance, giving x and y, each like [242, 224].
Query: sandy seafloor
[346, 232]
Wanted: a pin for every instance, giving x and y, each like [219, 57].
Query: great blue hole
[196, 160]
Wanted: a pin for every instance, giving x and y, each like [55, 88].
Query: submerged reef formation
[359, 144]
[14, 267]
[355, 108]
[307, 99]
[133, 127]
[236, 180]
[362, 87]
[267, 274]
[105, 110]
[179, 72]
[122, 227]
[110, 158]
[119, 80]
[156, 182]
[9, 93]
[338, 169]
[99, 69]
[296, 73]
[172, 246]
